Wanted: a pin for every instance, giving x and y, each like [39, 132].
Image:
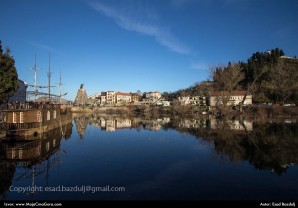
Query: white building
[231, 98]
[122, 97]
[163, 103]
[95, 96]
[153, 95]
[111, 98]
[184, 100]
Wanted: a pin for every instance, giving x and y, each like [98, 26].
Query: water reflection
[113, 123]
[158, 158]
[270, 145]
[21, 160]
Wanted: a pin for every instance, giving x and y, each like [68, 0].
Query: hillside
[269, 76]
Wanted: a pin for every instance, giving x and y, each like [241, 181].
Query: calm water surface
[157, 159]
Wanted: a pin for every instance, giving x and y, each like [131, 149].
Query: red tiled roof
[123, 93]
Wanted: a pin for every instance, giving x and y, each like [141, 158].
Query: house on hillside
[192, 100]
[122, 97]
[111, 97]
[136, 97]
[151, 98]
[232, 98]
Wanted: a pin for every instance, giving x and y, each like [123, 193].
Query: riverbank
[191, 111]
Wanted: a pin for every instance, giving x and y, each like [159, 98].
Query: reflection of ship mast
[33, 182]
[39, 169]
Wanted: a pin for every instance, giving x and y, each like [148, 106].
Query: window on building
[21, 117]
[13, 154]
[54, 114]
[14, 117]
[39, 119]
[48, 116]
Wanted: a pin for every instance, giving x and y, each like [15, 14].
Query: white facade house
[122, 97]
[184, 100]
[163, 103]
[232, 98]
[194, 100]
[153, 95]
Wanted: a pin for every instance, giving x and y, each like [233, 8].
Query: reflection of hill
[269, 146]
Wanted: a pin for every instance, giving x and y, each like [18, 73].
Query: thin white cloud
[45, 47]
[127, 22]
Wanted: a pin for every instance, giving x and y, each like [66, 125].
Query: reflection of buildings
[271, 146]
[110, 124]
[155, 124]
[193, 123]
[213, 123]
[107, 123]
[231, 124]
[123, 123]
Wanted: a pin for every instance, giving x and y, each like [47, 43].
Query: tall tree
[284, 81]
[8, 75]
[226, 79]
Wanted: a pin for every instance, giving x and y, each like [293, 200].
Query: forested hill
[269, 76]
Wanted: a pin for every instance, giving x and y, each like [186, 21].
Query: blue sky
[147, 45]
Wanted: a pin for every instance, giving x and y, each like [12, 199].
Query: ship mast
[35, 69]
[49, 77]
[60, 86]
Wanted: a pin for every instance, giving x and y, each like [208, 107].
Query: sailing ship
[26, 121]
